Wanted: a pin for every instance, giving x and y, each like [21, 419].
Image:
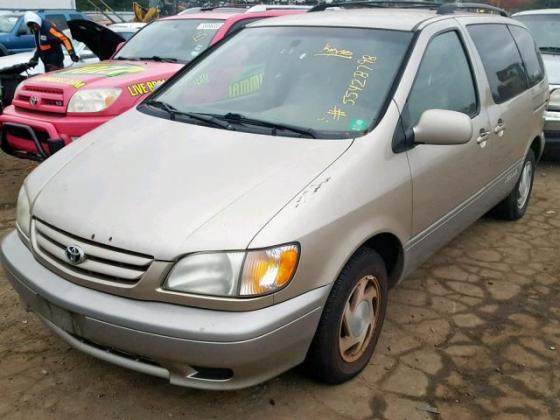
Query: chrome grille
[102, 263]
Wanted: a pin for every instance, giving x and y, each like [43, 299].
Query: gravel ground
[475, 333]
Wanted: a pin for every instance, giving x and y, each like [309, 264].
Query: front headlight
[232, 274]
[23, 213]
[554, 101]
[93, 100]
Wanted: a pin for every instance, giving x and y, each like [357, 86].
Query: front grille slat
[93, 250]
[90, 265]
[101, 263]
[48, 100]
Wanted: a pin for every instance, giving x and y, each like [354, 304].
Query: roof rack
[449, 8]
[376, 3]
[227, 6]
[268, 7]
[441, 8]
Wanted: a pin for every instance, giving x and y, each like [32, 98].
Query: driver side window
[444, 80]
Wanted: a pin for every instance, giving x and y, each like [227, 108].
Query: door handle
[483, 137]
[500, 128]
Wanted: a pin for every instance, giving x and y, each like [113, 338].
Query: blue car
[15, 37]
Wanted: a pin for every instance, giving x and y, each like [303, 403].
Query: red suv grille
[41, 89]
[40, 99]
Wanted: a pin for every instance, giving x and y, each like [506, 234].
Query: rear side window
[529, 53]
[58, 20]
[74, 16]
[444, 80]
[500, 57]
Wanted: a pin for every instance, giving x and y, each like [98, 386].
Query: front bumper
[52, 132]
[552, 130]
[192, 347]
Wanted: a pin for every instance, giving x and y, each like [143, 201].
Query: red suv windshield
[178, 40]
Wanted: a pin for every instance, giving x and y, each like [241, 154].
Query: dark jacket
[48, 42]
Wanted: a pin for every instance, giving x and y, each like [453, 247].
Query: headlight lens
[233, 274]
[93, 100]
[554, 101]
[23, 213]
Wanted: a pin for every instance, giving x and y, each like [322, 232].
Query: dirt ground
[475, 333]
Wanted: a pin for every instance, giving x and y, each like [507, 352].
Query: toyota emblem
[34, 100]
[75, 254]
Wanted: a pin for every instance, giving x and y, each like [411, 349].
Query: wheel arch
[391, 251]
[537, 146]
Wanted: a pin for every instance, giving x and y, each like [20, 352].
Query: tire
[514, 206]
[326, 360]
[3, 51]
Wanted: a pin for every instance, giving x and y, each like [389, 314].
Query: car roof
[245, 12]
[206, 15]
[538, 12]
[379, 18]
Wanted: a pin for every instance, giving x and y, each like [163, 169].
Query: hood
[136, 79]
[99, 39]
[147, 184]
[552, 66]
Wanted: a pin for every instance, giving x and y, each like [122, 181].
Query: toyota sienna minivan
[253, 212]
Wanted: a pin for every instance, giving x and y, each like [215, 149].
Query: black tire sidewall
[328, 364]
[520, 212]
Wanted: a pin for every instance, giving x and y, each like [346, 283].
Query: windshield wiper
[550, 49]
[274, 126]
[174, 112]
[158, 58]
[126, 58]
[170, 109]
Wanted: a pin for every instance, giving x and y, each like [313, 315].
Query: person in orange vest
[48, 40]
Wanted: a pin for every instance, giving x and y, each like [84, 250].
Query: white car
[126, 29]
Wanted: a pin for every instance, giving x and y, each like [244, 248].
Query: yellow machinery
[142, 14]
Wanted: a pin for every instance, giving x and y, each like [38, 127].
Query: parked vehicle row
[545, 28]
[252, 213]
[50, 111]
[15, 36]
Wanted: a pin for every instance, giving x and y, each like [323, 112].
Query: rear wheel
[514, 206]
[351, 321]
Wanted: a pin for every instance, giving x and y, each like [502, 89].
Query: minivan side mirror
[441, 126]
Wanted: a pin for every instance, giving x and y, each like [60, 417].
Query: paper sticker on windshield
[209, 26]
[103, 69]
[250, 82]
[357, 124]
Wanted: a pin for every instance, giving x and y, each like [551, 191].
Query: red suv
[51, 110]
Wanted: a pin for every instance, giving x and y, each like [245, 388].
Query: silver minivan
[253, 213]
[544, 25]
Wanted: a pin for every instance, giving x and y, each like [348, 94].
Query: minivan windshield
[545, 29]
[175, 40]
[7, 23]
[293, 81]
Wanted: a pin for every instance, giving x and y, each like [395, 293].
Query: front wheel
[514, 206]
[351, 321]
